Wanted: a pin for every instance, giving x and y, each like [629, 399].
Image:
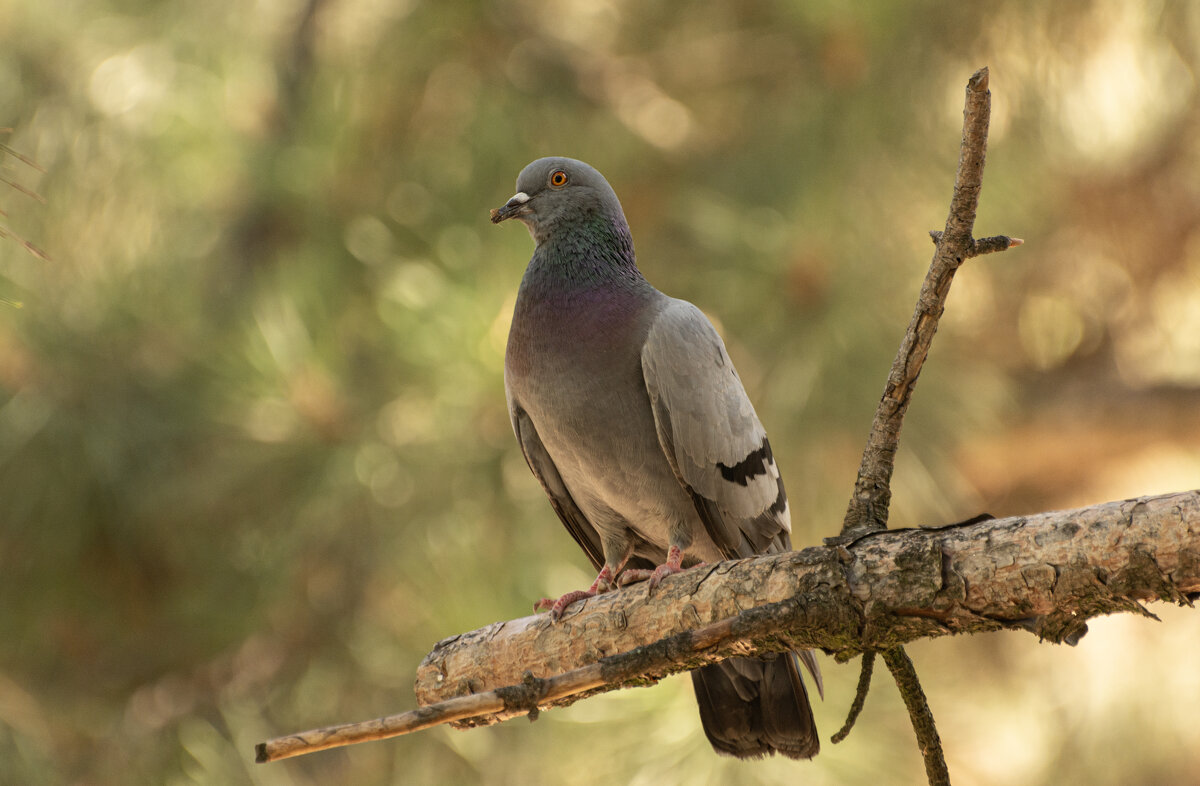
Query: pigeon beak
[513, 207]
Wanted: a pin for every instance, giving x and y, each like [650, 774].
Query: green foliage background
[254, 456]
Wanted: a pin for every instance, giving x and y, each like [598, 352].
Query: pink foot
[674, 564]
[557, 607]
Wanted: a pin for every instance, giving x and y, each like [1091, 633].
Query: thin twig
[919, 713]
[501, 703]
[987, 245]
[24, 159]
[492, 702]
[860, 697]
[27, 192]
[7, 233]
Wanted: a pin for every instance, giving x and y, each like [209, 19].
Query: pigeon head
[557, 193]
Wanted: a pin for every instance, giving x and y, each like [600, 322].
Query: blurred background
[254, 454]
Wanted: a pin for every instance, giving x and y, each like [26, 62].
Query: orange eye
[558, 179]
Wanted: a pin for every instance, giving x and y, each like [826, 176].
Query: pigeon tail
[752, 708]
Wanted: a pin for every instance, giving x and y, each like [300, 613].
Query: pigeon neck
[596, 249]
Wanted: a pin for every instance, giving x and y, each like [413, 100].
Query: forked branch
[868, 508]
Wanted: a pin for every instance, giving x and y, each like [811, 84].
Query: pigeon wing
[711, 435]
[543, 468]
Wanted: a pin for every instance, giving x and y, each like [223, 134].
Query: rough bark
[1047, 573]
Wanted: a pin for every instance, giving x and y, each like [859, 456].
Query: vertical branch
[868, 508]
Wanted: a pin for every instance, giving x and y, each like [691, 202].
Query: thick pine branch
[1047, 574]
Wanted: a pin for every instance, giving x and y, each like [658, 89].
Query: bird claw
[632, 576]
[558, 607]
[603, 583]
[660, 573]
[654, 577]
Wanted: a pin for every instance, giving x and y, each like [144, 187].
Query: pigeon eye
[558, 179]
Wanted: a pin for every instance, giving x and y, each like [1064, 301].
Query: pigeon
[632, 418]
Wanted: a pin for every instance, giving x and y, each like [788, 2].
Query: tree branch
[1047, 574]
[928, 740]
[860, 697]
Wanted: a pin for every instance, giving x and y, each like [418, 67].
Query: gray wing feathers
[710, 432]
[543, 469]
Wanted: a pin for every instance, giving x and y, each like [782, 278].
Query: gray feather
[710, 433]
[543, 469]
